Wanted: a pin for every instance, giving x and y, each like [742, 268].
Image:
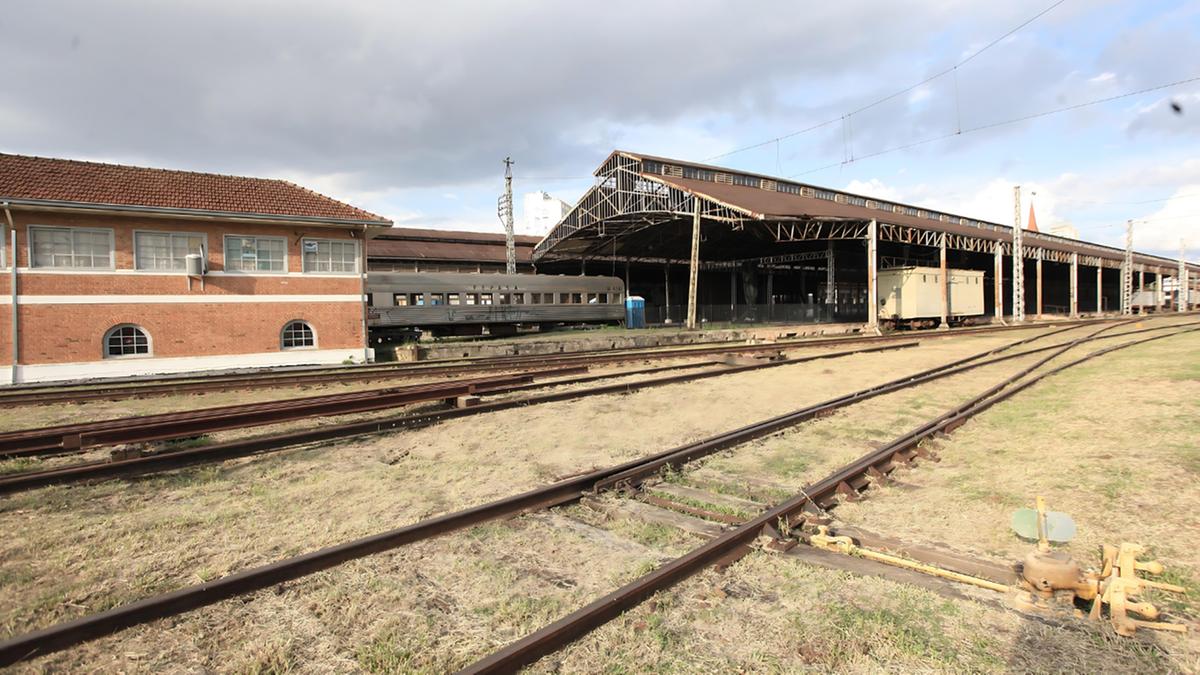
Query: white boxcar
[912, 296]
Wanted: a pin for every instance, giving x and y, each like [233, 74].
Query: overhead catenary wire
[993, 125]
[901, 92]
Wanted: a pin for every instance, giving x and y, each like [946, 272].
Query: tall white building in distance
[540, 212]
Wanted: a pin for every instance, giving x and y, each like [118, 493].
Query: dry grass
[80, 549]
[440, 604]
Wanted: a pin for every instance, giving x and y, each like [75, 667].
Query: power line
[893, 95]
[993, 125]
[553, 177]
[1144, 201]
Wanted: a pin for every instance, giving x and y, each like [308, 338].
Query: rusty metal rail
[69, 633]
[775, 522]
[175, 385]
[240, 448]
[168, 426]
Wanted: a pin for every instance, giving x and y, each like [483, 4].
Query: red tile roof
[1032, 225]
[41, 178]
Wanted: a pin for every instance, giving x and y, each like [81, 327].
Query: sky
[408, 109]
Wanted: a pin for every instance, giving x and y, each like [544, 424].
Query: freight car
[405, 305]
[911, 297]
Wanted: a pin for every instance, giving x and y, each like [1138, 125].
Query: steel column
[999, 283]
[1099, 290]
[667, 292]
[872, 275]
[694, 265]
[945, 284]
[1039, 283]
[1074, 285]
[830, 279]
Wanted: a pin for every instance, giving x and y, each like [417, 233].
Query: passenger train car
[404, 305]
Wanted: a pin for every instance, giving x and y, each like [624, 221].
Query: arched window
[297, 335]
[126, 340]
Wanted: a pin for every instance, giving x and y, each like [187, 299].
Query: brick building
[98, 282]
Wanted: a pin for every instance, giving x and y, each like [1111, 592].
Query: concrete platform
[566, 342]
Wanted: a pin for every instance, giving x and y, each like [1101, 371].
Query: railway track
[782, 526]
[823, 494]
[170, 426]
[176, 385]
[130, 430]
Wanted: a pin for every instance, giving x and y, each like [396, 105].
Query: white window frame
[112, 247]
[203, 251]
[303, 260]
[311, 328]
[225, 254]
[108, 333]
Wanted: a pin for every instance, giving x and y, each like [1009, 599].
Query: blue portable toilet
[635, 312]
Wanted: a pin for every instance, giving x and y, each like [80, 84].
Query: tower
[504, 209]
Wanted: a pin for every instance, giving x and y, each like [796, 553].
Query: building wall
[542, 212]
[64, 314]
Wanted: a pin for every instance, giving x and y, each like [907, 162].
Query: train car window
[485, 298]
[548, 298]
[564, 298]
[401, 299]
[452, 299]
[504, 299]
[518, 298]
[592, 299]
[535, 298]
[437, 298]
[418, 299]
[577, 298]
[472, 298]
[603, 299]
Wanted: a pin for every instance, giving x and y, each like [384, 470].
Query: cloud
[1178, 219]
[430, 94]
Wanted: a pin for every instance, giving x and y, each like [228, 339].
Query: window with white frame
[70, 248]
[126, 340]
[330, 255]
[255, 254]
[297, 335]
[165, 251]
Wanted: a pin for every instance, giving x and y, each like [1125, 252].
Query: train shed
[708, 243]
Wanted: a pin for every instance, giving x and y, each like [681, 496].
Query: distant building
[542, 212]
[410, 249]
[1065, 230]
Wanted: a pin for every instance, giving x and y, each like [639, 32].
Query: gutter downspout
[362, 295]
[12, 262]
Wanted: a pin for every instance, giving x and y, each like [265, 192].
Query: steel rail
[634, 476]
[50, 393]
[75, 473]
[737, 542]
[166, 426]
[66, 634]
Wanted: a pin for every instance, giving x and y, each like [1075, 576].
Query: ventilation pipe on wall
[13, 376]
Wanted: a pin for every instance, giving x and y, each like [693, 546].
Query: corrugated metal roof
[446, 245]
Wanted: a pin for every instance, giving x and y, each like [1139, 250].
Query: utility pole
[1183, 281]
[1127, 271]
[504, 209]
[1018, 260]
